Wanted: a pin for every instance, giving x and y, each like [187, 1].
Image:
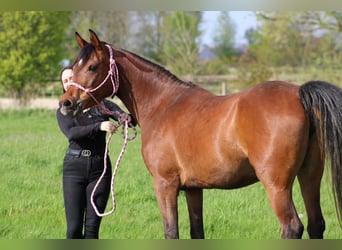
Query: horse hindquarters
[275, 137]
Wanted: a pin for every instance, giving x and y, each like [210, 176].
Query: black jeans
[80, 175]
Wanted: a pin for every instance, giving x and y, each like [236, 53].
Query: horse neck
[144, 89]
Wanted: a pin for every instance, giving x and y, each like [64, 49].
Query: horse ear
[81, 42]
[95, 40]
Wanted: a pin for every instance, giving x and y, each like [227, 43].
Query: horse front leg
[167, 193]
[194, 199]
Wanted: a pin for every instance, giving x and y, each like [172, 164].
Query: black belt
[81, 152]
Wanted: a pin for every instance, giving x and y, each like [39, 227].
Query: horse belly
[222, 176]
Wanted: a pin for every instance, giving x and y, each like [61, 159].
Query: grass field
[31, 207]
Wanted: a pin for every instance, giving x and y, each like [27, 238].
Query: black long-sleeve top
[83, 132]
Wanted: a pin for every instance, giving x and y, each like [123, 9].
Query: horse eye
[92, 68]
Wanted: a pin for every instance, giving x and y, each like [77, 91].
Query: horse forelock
[84, 55]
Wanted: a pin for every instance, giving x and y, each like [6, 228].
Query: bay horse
[194, 140]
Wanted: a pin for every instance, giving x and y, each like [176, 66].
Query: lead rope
[126, 140]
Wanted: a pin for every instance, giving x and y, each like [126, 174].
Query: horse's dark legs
[309, 178]
[194, 199]
[316, 223]
[167, 193]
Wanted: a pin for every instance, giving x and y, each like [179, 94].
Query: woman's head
[66, 77]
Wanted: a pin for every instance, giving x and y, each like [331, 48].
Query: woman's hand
[108, 126]
[124, 117]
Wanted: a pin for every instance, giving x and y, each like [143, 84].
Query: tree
[296, 38]
[147, 37]
[307, 40]
[111, 26]
[137, 31]
[168, 37]
[224, 36]
[31, 50]
[181, 38]
[279, 41]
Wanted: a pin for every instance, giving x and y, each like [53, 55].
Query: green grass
[31, 204]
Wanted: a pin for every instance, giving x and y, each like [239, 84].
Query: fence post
[223, 88]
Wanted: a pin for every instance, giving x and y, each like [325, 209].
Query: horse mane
[134, 58]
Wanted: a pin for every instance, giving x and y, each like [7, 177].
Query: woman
[83, 164]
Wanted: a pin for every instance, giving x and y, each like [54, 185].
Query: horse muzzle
[70, 108]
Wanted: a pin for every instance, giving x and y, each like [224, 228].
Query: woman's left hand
[124, 117]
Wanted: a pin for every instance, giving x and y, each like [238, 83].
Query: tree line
[34, 45]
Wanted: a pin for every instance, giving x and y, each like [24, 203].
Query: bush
[252, 72]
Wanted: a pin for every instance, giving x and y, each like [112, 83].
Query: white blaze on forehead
[80, 62]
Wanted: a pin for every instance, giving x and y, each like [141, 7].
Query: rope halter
[113, 74]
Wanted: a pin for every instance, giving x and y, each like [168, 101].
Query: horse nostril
[67, 103]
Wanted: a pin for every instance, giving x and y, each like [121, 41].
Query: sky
[242, 19]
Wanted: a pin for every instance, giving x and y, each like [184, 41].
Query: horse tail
[322, 102]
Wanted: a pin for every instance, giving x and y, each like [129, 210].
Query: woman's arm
[113, 107]
[74, 132]
[118, 114]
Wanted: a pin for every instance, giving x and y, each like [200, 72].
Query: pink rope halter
[113, 74]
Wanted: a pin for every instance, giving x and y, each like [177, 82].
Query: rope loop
[126, 139]
[123, 132]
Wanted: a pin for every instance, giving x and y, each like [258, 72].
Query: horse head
[95, 76]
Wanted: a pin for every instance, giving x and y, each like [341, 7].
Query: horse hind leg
[309, 178]
[194, 199]
[278, 184]
[283, 206]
